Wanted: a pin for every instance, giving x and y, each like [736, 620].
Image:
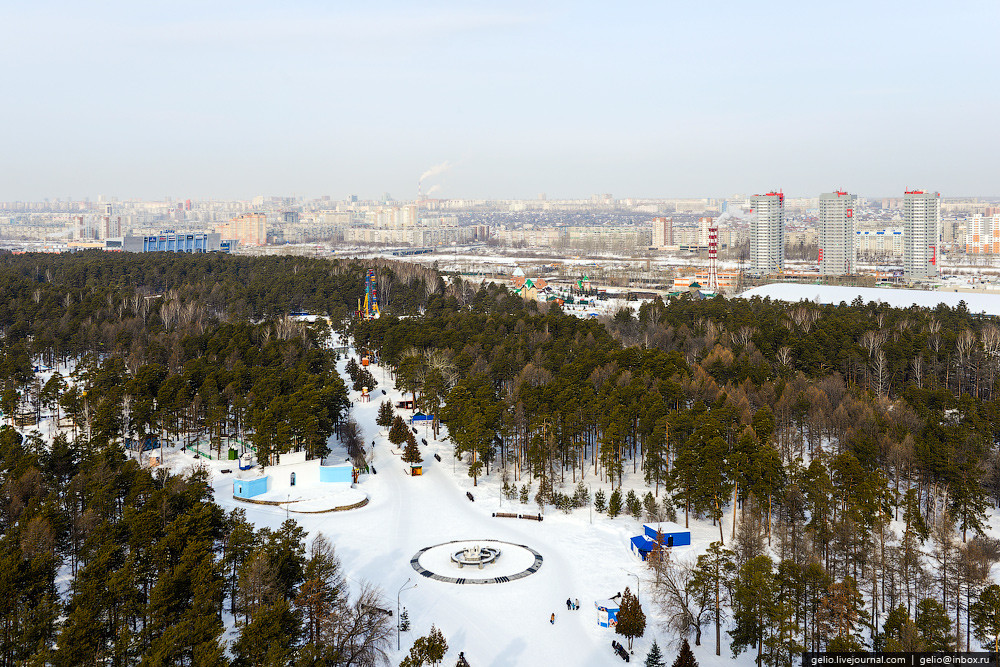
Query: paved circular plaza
[515, 561]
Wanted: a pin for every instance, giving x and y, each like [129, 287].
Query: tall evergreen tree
[714, 570]
[753, 606]
[397, 434]
[985, 615]
[615, 503]
[411, 453]
[269, 639]
[631, 618]
[934, 626]
[385, 415]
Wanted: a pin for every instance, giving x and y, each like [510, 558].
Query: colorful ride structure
[369, 307]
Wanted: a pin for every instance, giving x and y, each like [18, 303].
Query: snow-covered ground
[586, 555]
[898, 298]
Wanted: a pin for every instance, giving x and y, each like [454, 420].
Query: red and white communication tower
[713, 257]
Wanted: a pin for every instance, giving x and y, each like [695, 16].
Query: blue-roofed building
[668, 534]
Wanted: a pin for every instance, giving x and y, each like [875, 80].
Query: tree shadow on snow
[511, 654]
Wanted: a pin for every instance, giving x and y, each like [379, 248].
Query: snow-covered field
[498, 624]
[898, 298]
[586, 554]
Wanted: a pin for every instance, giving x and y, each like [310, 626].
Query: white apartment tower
[836, 233]
[921, 222]
[767, 233]
[663, 232]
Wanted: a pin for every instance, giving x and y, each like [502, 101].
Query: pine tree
[397, 434]
[934, 626]
[411, 454]
[985, 615]
[632, 505]
[600, 502]
[352, 368]
[714, 569]
[615, 503]
[631, 618]
[427, 650]
[686, 657]
[385, 415]
[544, 494]
[651, 507]
[753, 605]
[655, 656]
[269, 639]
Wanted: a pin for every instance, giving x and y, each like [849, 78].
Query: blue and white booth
[607, 613]
[293, 473]
[668, 534]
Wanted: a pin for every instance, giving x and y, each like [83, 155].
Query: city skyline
[229, 101]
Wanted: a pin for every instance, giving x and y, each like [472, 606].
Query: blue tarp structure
[421, 417]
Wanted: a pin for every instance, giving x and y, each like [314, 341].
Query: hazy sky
[646, 99]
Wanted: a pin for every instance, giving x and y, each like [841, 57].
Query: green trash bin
[232, 454]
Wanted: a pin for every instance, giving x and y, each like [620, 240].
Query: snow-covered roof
[988, 304]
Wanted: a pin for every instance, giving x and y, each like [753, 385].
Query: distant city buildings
[921, 222]
[249, 229]
[836, 233]
[767, 233]
[763, 234]
[879, 243]
[663, 232]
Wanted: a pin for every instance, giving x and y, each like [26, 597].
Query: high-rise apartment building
[663, 232]
[982, 234]
[836, 233]
[767, 233]
[921, 221]
[704, 225]
[111, 227]
[248, 229]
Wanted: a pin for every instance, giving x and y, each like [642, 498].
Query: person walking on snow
[569, 604]
[576, 604]
[552, 619]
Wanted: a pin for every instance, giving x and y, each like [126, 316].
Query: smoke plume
[435, 170]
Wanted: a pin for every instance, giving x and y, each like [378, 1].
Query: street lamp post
[402, 588]
[632, 574]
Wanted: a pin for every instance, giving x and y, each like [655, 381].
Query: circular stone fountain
[479, 562]
[475, 555]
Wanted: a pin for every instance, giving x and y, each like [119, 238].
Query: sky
[220, 99]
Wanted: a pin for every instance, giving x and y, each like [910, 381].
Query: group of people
[571, 605]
